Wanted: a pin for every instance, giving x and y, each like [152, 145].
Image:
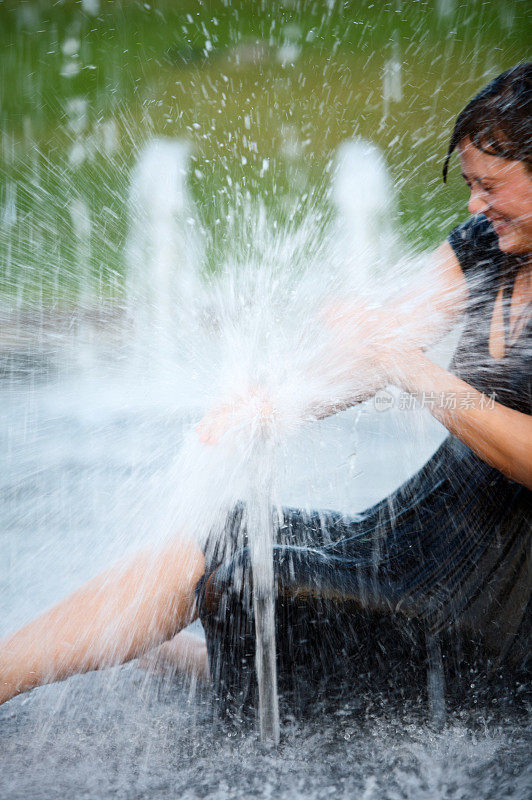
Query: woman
[450, 547]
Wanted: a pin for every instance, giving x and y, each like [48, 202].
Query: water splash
[273, 365]
[162, 251]
[392, 82]
[363, 193]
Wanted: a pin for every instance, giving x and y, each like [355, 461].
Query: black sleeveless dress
[448, 552]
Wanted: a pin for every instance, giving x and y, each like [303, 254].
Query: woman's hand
[251, 414]
[364, 349]
[361, 335]
[369, 347]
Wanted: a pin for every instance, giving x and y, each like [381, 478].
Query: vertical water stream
[261, 540]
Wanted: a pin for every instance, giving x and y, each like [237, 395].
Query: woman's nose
[478, 203]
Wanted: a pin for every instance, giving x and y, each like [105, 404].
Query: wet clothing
[447, 553]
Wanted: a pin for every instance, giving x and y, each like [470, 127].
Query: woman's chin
[512, 244]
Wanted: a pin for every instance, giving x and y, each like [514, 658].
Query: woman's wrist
[422, 377]
[418, 374]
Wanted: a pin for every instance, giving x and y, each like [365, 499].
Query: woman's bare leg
[185, 653]
[113, 618]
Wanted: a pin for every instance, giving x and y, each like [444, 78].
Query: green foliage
[250, 84]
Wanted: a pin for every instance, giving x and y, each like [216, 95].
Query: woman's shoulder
[475, 245]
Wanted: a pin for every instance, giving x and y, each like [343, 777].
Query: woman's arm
[356, 341]
[499, 435]
[395, 337]
[367, 341]
[419, 309]
[433, 299]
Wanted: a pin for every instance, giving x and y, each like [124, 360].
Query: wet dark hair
[498, 120]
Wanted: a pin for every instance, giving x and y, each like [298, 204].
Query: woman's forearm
[499, 435]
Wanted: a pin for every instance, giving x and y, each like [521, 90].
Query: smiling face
[501, 190]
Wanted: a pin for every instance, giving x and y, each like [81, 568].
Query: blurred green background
[86, 84]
